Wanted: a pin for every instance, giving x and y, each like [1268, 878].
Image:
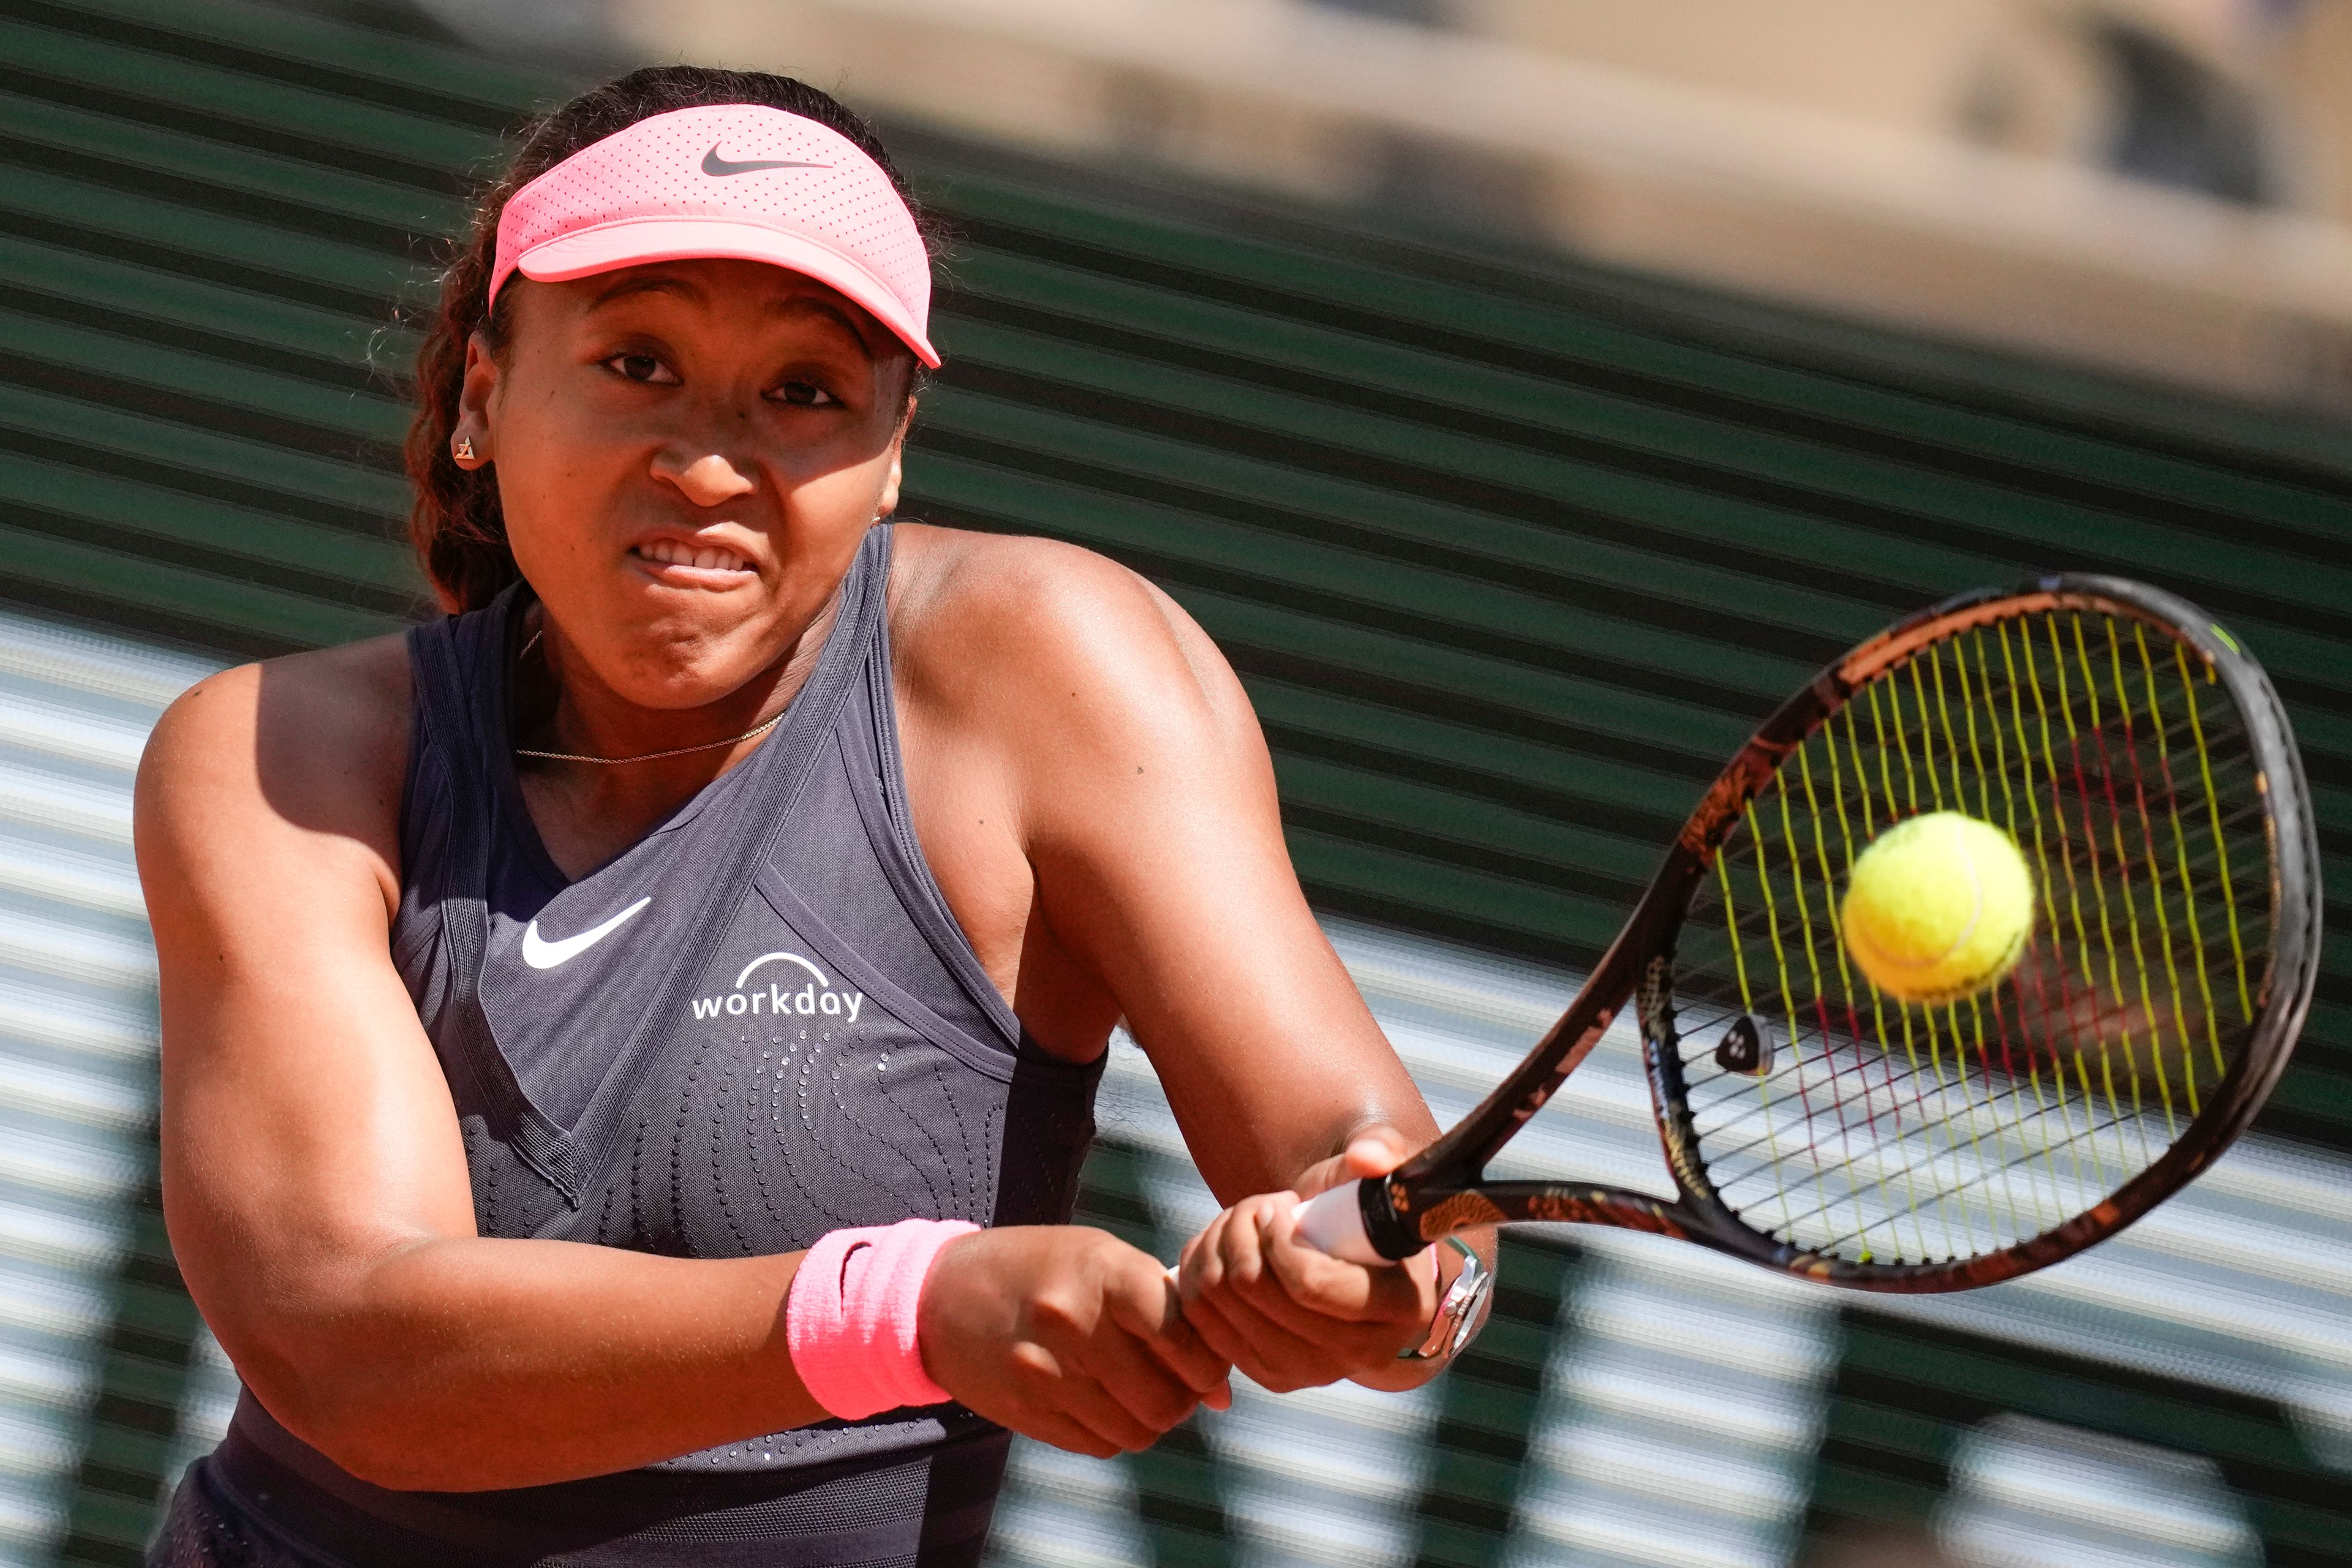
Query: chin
[674, 655]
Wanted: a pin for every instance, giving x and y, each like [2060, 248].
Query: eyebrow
[669, 283]
[657, 283]
[816, 304]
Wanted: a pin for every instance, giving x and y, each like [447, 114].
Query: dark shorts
[234, 1509]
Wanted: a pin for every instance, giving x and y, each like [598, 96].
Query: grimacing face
[688, 453]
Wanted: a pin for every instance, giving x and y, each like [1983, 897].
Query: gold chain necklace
[751, 734]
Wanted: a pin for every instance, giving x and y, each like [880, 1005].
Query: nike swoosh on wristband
[543, 955]
[712, 164]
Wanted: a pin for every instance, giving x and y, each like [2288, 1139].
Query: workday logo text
[792, 987]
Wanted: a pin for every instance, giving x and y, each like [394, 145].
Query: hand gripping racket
[2143, 765]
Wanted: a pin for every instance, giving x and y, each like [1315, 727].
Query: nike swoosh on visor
[712, 164]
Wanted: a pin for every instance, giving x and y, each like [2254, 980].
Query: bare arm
[1134, 777]
[315, 1181]
[313, 1177]
[1075, 738]
[1163, 861]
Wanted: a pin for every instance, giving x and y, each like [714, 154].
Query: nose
[705, 481]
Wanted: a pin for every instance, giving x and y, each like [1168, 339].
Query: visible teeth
[672, 552]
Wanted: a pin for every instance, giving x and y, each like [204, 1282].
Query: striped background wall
[1510, 558]
[94, 1328]
[1508, 554]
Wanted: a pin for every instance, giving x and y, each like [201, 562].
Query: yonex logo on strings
[815, 997]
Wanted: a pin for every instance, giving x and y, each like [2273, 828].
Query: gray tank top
[758, 1024]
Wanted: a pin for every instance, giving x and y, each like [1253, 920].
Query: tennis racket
[2142, 762]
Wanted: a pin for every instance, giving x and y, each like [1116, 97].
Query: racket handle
[1333, 1223]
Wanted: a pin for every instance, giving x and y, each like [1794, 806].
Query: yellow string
[1748, 1005]
[1903, 1010]
[1902, 742]
[1738, 955]
[2221, 845]
[1887, 783]
[2074, 904]
[1902, 732]
[1930, 725]
[1894, 684]
[2099, 887]
[1944, 717]
[2016, 1134]
[2156, 897]
[1788, 1002]
[2131, 909]
[1969, 712]
[2099, 883]
[2041, 876]
[1845, 972]
[1813, 966]
[2180, 861]
[1860, 773]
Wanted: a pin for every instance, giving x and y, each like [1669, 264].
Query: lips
[694, 556]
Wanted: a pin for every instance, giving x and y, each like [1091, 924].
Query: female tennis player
[629, 1043]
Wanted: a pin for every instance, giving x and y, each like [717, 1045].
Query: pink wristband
[850, 1318]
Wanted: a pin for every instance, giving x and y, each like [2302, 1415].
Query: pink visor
[735, 180]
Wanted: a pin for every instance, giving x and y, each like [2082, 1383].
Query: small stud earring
[465, 449]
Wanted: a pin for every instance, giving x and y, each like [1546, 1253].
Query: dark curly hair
[455, 522]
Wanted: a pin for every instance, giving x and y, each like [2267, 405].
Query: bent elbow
[396, 1467]
[383, 1452]
[362, 1434]
[362, 1449]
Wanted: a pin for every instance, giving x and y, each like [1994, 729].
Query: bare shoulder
[994, 617]
[315, 741]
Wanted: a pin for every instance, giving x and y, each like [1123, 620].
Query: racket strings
[2022, 1133]
[1886, 1131]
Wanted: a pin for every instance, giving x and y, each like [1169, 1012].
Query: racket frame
[1440, 1189]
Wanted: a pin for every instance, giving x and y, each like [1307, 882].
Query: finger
[1155, 1316]
[1340, 1328]
[1265, 1351]
[1185, 1354]
[1227, 1243]
[1268, 1339]
[1272, 1324]
[1150, 1308]
[1209, 1321]
[1322, 1176]
[1253, 1338]
[1044, 1389]
[1096, 1409]
[1375, 1151]
[1247, 1314]
[1310, 1280]
[1238, 1235]
[1249, 1273]
[1197, 1265]
[1096, 1370]
[1140, 1310]
[1256, 1301]
[1141, 1384]
[1063, 1431]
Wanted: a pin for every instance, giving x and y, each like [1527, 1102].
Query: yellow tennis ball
[1937, 907]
